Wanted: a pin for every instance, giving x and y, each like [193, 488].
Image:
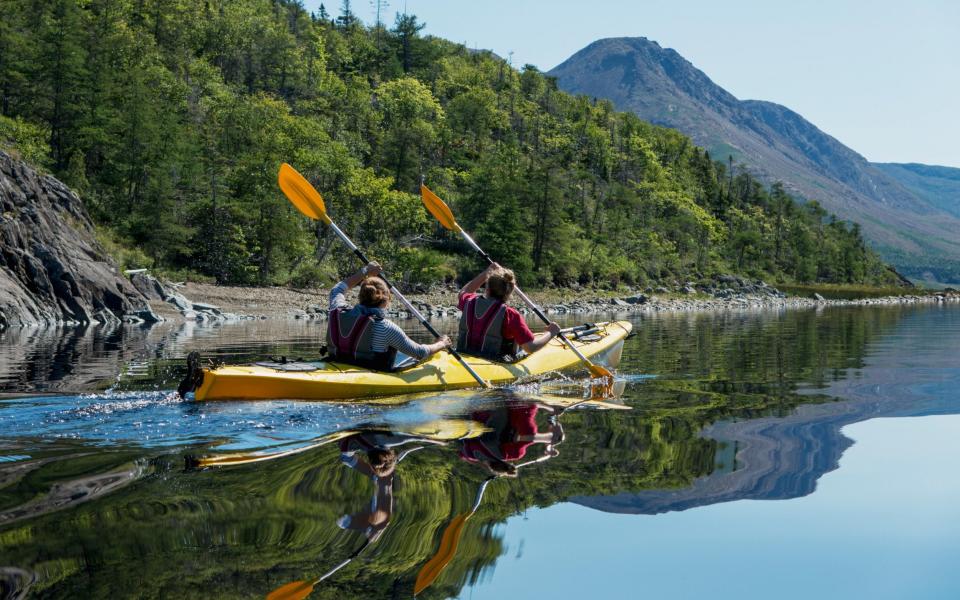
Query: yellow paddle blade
[448, 547]
[301, 194]
[295, 590]
[607, 389]
[597, 371]
[438, 208]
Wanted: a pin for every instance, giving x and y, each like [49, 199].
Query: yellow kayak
[603, 343]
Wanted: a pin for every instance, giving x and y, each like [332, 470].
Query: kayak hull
[335, 381]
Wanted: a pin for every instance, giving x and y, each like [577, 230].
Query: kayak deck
[336, 381]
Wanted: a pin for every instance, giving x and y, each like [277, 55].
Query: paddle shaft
[406, 303]
[526, 299]
[345, 562]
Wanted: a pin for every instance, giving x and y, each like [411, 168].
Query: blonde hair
[500, 284]
[374, 292]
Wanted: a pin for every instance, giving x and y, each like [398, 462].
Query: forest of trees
[171, 118]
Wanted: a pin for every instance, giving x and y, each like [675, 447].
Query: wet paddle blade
[295, 590]
[301, 194]
[607, 389]
[597, 371]
[448, 548]
[438, 208]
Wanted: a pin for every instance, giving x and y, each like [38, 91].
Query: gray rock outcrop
[52, 270]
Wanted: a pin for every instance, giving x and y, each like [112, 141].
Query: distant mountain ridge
[775, 143]
[940, 186]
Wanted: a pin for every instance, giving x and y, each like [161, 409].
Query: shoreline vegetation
[171, 121]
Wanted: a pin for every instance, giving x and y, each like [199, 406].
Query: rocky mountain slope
[52, 270]
[772, 141]
[940, 186]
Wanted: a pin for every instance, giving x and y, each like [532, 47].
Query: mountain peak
[774, 142]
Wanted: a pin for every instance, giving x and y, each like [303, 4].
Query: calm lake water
[790, 454]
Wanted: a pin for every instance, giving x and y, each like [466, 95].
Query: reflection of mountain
[779, 458]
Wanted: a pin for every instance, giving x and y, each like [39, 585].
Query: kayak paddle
[298, 590]
[309, 202]
[451, 537]
[439, 209]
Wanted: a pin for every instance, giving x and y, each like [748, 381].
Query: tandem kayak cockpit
[601, 342]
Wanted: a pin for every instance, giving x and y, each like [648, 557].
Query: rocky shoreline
[52, 269]
[225, 303]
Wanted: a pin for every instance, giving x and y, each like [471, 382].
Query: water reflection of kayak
[603, 343]
[433, 430]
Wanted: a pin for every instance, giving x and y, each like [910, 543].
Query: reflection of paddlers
[373, 454]
[451, 535]
[512, 430]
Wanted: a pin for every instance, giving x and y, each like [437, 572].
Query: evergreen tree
[407, 28]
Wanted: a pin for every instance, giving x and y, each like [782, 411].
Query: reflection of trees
[259, 526]
[246, 530]
[765, 347]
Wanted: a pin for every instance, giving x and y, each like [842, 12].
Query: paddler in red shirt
[512, 430]
[488, 326]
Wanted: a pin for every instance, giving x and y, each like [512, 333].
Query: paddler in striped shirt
[362, 335]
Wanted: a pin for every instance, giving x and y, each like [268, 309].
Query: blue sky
[883, 77]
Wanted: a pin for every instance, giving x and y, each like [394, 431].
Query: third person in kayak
[488, 326]
[362, 335]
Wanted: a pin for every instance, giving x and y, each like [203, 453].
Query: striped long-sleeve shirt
[386, 334]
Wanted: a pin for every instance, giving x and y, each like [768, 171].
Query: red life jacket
[481, 329]
[500, 442]
[350, 340]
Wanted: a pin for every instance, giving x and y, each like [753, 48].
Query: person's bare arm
[371, 269]
[477, 282]
[542, 339]
[441, 344]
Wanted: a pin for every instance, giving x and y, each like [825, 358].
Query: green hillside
[171, 117]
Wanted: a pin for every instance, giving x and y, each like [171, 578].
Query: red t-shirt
[521, 422]
[514, 327]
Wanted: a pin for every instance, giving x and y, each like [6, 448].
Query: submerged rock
[143, 315]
